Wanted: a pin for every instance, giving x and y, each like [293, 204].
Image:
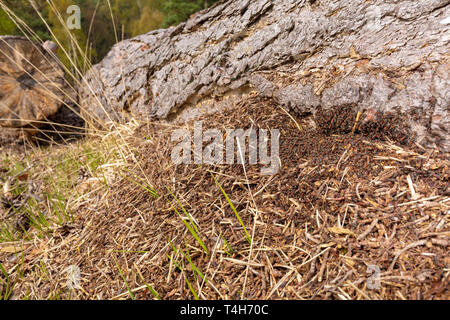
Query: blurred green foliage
[103, 22]
[176, 11]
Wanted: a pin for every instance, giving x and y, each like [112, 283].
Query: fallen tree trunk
[388, 60]
[32, 83]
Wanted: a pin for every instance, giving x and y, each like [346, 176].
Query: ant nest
[373, 124]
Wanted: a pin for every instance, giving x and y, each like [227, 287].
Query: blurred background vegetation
[99, 32]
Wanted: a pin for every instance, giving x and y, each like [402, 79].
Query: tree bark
[312, 57]
[32, 83]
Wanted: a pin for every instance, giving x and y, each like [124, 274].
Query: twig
[368, 230]
[411, 245]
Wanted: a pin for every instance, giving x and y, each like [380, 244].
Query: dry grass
[137, 226]
[340, 204]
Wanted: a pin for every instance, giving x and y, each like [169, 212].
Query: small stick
[322, 267]
[368, 230]
[358, 116]
[411, 187]
[411, 245]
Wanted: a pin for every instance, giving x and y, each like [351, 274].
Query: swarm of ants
[375, 125]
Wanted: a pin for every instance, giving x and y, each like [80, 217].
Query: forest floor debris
[346, 217]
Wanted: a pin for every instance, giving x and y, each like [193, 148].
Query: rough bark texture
[32, 83]
[375, 57]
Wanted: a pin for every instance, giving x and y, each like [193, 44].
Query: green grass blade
[125, 280]
[184, 210]
[144, 186]
[247, 235]
[5, 274]
[227, 244]
[8, 290]
[191, 288]
[153, 291]
[189, 227]
[194, 267]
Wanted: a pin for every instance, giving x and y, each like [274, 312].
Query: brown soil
[340, 203]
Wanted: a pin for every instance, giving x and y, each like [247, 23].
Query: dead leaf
[23, 177]
[349, 262]
[12, 249]
[354, 54]
[7, 188]
[339, 230]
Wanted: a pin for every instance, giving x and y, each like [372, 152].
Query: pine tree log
[32, 84]
[385, 59]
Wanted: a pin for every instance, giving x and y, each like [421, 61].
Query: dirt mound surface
[346, 217]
